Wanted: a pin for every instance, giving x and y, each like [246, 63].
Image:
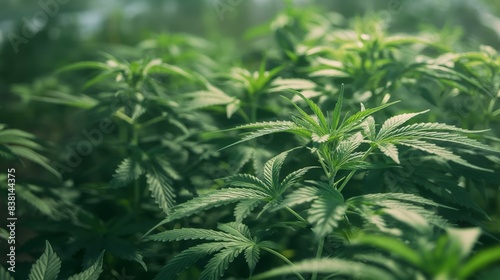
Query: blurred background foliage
[226, 34]
[80, 28]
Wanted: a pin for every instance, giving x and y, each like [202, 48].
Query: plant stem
[331, 180]
[330, 169]
[253, 112]
[124, 117]
[349, 176]
[285, 259]
[296, 214]
[322, 162]
[244, 115]
[152, 121]
[319, 252]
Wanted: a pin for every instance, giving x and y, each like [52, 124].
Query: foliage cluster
[344, 153]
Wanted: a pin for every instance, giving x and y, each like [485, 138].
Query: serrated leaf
[124, 249]
[217, 265]
[330, 266]
[233, 239]
[35, 157]
[390, 150]
[318, 113]
[47, 267]
[421, 135]
[161, 189]
[281, 84]
[318, 126]
[293, 178]
[232, 108]
[79, 101]
[210, 200]
[326, 211]
[246, 181]
[45, 205]
[337, 109]
[301, 196]
[264, 128]
[411, 218]
[244, 208]
[186, 259]
[330, 62]
[128, 171]
[392, 123]
[191, 234]
[91, 273]
[329, 73]
[202, 99]
[357, 118]
[445, 137]
[372, 207]
[272, 170]
[320, 139]
[381, 198]
[454, 193]
[440, 151]
[238, 230]
[252, 255]
[344, 155]
[18, 140]
[5, 275]
[169, 69]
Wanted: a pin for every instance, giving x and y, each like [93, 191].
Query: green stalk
[152, 121]
[285, 259]
[244, 115]
[319, 253]
[296, 214]
[124, 117]
[354, 171]
[330, 171]
[253, 111]
[322, 162]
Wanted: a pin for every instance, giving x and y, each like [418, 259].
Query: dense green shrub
[346, 152]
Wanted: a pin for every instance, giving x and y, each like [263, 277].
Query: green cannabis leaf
[328, 208]
[48, 266]
[417, 136]
[17, 144]
[249, 191]
[232, 240]
[450, 258]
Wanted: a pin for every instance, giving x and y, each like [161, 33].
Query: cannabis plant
[341, 144]
[48, 266]
[330, 147]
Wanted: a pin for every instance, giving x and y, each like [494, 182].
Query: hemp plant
[341, 143]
